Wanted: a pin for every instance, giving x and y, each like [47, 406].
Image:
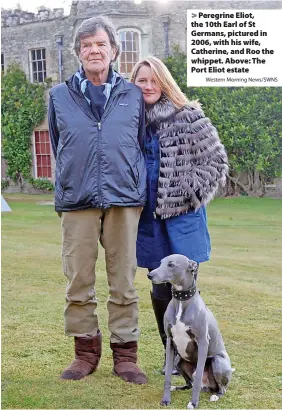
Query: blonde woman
[186, 163]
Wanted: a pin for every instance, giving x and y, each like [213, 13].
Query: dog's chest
[182, 336]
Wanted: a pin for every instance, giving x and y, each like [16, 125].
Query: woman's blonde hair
[163, 78]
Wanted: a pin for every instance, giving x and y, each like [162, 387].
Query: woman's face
[146, 81]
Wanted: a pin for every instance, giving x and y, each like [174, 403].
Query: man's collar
[109, 78]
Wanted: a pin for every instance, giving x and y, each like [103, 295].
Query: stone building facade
[42, 43]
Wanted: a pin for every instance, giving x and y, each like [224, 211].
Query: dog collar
[184, 294]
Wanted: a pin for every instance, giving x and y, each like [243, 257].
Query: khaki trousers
[116, 227]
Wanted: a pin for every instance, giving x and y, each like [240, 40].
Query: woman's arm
[208, 166]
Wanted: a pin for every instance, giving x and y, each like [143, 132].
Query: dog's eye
[171, 265]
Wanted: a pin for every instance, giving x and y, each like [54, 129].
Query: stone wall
[23, 31]
[18, 40]
[18, 16]
[158, 23]
[117, 7]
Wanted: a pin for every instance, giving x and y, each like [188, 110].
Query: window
[130, 50]
[42, 155]
[37, 60]
[2, 63]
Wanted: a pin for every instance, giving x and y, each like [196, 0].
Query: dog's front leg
[169, 358]
[197, 383]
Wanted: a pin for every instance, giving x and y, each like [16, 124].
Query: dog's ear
[192, 267]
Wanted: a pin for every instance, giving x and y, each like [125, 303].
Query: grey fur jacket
[193, 161]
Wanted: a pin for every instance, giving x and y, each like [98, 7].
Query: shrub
[4, 183]
[42, 183]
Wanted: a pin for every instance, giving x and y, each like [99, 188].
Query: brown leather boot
[87, 355]
[125, 359]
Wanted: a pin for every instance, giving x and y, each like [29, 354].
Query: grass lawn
[242, 285]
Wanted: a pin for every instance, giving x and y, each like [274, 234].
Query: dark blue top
[152, 158]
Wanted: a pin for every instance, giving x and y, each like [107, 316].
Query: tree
[249, 122]
[23, 108]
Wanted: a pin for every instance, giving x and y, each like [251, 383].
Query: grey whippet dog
[193, 331]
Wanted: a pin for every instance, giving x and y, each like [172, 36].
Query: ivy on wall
[23, 108]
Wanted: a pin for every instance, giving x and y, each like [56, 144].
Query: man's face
[96, 52]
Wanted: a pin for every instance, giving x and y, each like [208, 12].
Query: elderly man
[96, 124]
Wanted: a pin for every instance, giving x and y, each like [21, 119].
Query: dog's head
[175, 269]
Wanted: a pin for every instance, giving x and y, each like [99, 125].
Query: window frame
[35, 166]
[31, 61]
[134, 30]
